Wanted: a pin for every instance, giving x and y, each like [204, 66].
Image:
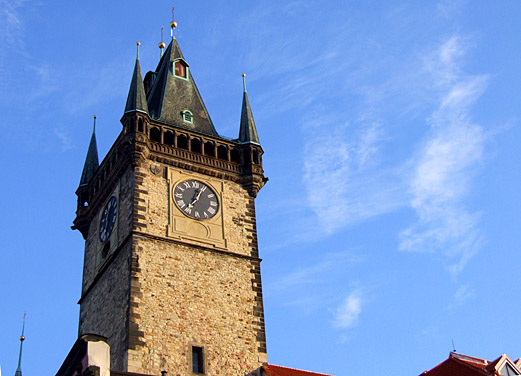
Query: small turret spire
[248, 131]
[91, 162]
[22, 339]
[136, 100]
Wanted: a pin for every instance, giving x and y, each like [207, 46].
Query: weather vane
[173, 24]
[162, 44]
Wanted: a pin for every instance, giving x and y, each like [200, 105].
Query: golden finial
[95, 116]
[244, 74]
[244, 81]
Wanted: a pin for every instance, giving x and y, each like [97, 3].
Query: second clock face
[196, 199]
[108, 219]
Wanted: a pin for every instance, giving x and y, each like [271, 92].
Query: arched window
[182, 142]
[222, 152]
[140, 126]
[168, 138]
[188, 117]
[155, 134]
[196, 146]
[235, 156]
[209, 149]
[255, 155]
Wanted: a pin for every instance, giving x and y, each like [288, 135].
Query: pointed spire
[22, 339]
[174, 92]
[248, 131]
[136, 100]
[91, 162]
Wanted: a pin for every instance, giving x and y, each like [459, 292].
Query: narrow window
[197, 360]
[105, 250]
[155, 134]
[209, 149]
[196, 146]
[182, 142]
[235, 156]
[168, 138]
[222, 152]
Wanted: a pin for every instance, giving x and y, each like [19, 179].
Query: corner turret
[137, 100]
[248, 131]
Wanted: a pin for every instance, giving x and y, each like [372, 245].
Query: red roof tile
[273, 370]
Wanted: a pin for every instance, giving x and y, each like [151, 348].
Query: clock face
[108, 219]
[196, 199]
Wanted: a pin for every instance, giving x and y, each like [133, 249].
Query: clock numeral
[180, 188]
[197, 215]
[213, 203]
[195, 184]
[188, 210]
[187, 184]
[181, 203]
[210, 195]
[211, 211]
[205, 215]
[203, 188]
[179, 195]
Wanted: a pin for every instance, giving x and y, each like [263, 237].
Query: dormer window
[188, 117]
[180, 69]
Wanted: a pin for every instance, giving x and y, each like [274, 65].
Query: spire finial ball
[244, 74]
[22, 338]
[173, 24]
[138, 43]
[162, 45]
[95, 116]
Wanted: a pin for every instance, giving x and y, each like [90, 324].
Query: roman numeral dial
[195, 199]
[108, 219]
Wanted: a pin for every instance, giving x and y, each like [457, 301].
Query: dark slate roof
[170, 95]
[91, 162]
[136, 100]
[248, 131]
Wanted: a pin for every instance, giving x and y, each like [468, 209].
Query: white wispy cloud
[347, 314]
[320, 272]
[445, 164]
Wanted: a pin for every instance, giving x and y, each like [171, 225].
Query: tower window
[179, 69]
[197, 360]
[188, 116]
[155, 134]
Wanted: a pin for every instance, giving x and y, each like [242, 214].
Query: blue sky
[390, 224]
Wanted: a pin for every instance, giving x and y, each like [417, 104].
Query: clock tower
[171, 273]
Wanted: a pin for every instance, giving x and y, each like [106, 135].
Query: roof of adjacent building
[273, 370]
[464, 365]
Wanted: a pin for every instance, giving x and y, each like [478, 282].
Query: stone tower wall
[104, 304]
[185, 295]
